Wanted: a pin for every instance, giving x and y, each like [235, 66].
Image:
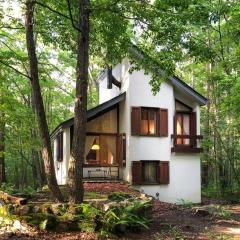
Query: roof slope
[92, 113]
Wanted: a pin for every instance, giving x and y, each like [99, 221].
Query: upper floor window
[183, 127]
[185, 123]
[149, 121]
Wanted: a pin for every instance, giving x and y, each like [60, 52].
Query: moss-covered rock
[46, 208]
[22, 210]
[59, 209]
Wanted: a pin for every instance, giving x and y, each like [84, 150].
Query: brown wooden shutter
[163, 122]
[136, 172]
[175, 128]
[121, 150]
[124, 153]
[60, 147]
[135, 120]
[163, 173]
[193, 128]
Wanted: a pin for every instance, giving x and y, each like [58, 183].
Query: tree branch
[71, 17]
[52, 10]
[13, 68]
[59, 13]
[25, 68]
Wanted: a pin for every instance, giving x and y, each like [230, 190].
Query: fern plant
[132, 217]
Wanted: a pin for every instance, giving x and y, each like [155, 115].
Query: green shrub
[219, 211]
[9, 188]
[29, 190]
[119, 196]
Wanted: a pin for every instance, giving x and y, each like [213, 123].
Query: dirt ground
[169, 221]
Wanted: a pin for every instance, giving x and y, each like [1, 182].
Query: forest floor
[213, 219]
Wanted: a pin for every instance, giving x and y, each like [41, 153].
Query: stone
[36, 209]
[17, 224]
[202, 212]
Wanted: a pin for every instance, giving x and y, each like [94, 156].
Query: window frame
[149, 109]
[144, 181]
[182, 113]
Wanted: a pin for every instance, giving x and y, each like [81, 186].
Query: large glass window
[92, 143]
[101, 150]
[148, 121]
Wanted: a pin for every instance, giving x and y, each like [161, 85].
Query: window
[183, 128]
[101, 150]
[149, 121]
[149, 171]
[93, 155]
[60, 147]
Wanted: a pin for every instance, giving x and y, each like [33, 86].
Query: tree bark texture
[75, 174]
[39, 107]
[2, 150]
[36, 167]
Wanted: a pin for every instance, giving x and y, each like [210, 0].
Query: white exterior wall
[185, 180]
[61, 168]
[120, 72]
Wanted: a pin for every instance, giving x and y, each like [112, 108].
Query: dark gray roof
[92, 113]
[184, 87]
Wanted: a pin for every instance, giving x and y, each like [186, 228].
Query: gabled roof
[185, 88]
[92, 113]
[177, 83]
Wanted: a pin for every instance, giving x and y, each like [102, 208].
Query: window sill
[146, 135]
[186, 149]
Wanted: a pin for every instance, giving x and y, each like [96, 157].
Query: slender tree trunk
[2, 150]
[77, 155]
[39, 107]
[36, 167]
[2, 137]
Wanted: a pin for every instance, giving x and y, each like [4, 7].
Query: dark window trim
[60, 147]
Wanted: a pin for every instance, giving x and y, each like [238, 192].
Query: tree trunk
[2, 150]
[75, 173]
[2, 137]
[40, 112]
[36, 167]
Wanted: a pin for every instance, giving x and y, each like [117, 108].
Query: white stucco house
[132, 135]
